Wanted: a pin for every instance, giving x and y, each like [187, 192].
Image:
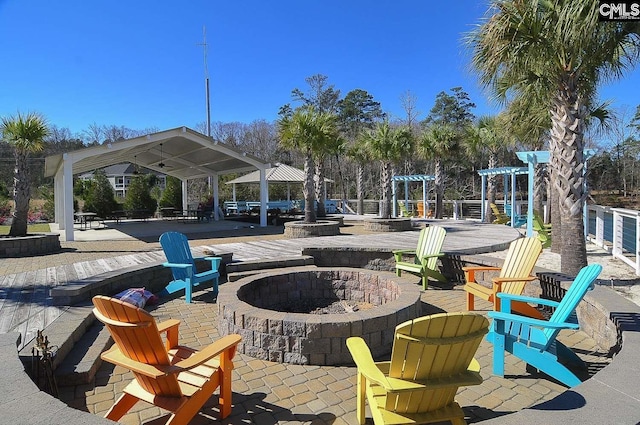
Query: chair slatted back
[136, 334]
[430, 242]
[176, 248]
[576, 292]
[519, 262]
[431, 348]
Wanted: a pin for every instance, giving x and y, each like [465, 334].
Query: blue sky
[138, 63]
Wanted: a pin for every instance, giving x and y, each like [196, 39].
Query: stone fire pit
[374, 301]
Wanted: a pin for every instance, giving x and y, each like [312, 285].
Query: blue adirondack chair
[533, 340]
[518, 220]
[183, 266]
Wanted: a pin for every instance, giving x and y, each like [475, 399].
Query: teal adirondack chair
[533, 340]
[518, 220]
[425, 256]
[183, 266]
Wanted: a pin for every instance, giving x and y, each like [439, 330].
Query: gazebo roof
[180, 152]
[281, 173]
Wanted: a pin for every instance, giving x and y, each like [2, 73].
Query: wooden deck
[25, 305]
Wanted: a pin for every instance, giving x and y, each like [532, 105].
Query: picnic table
[86, 219]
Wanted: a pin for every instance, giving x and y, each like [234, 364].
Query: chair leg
[121, 407]
[361, 396]
[226, 367]
[470, 301]
[188, 289]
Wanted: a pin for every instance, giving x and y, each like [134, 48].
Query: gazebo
[181, 152]
[531, 158]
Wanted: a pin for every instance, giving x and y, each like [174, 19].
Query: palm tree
[358, 153]
[556, 50]
[486, 136]
[26, 133]
[437, 142]
[387, 145]
[308, 132]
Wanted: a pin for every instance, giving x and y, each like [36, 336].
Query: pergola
[424, 178]
[505, 172]
[542, 157]
[181, 152]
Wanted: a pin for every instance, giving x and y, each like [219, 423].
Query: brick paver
[274, 393]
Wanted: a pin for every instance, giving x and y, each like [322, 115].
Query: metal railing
[616, 230]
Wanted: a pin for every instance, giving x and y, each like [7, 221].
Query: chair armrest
[498, 315]
[114, 355]
[466, 378]
[168, 324]
[212, 350]
[481, 268]
[498, 281]
[170, 327]
[470, 271]
[398, 253]
[440, 254]
[215, 262]
[177, 265]
[526, 299]
[364, 361]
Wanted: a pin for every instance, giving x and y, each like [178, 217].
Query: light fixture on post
[135, 164]
[161, 164]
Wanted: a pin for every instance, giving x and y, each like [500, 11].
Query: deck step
[242, 269]
[83, 362]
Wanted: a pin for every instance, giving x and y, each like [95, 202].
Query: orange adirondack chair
[432, 357]
[514, 275]
[170, 376]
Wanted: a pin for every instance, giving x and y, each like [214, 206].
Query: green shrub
[172, 194]
[139, 194]
[99, 195]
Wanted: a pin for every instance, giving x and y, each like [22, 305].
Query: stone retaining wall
[24, 246]
[300, 229]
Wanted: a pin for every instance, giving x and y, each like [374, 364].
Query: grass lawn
[32, 228]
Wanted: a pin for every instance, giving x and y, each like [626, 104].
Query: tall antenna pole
[206, 79]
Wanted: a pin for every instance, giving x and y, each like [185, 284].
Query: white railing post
[637, 244]
[617, 234]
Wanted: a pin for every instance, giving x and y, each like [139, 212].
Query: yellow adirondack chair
[514, 275]
[425, 256]
[432, 357]
[501, 218]
[167, 375]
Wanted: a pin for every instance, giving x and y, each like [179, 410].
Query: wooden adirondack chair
[500, 217]
[518, 220]
[514, 275]
[543, 230]
[534, 341]
[425, 256]
[167, 375]
[183, 266]
[404, 212]
[431, 357]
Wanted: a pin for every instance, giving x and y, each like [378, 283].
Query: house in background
[120, 175]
